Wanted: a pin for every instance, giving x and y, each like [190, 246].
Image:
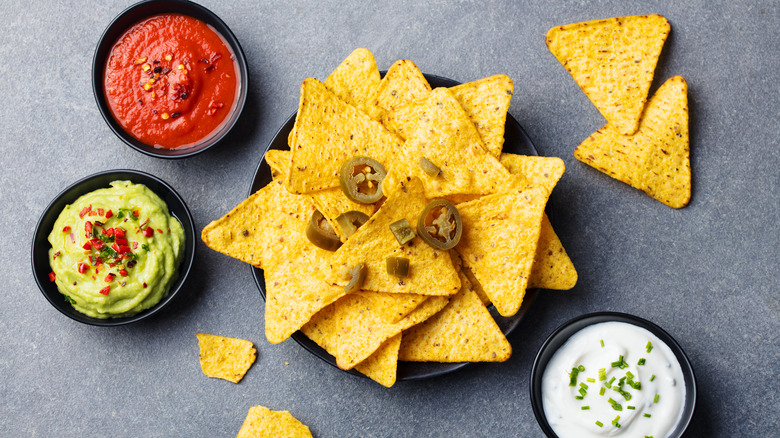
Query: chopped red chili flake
[83, 267]
[135, 245]
[109, 214]
[87, 246]
[119, 233]
[144, 285]
[136, 213]
[159, 231]
[148, 232]
[120, 241]
[124, 249]
[123, 272]
[97, 243]
[84, 211]
[100, 211]
[92, 213]
[143, 224]
[88, 227]
[66, 229]
[105, 290]
[52, 276]
[109, 278]
[115, 247]
[56, 254]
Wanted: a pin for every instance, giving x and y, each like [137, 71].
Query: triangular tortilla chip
[500, 234]
[485, 101]
[552, 268]
[355, 79]
[238, 234]
[613, 61]
[463, 331]
[403, 83]
[262, 422]
[656, 158]
[393, 307]
[293, 285]
[330, 202]
[430, 270]
[328, 132]
[225, 358]
[532, 170]
[448, 139]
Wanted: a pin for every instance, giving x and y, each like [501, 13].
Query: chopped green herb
[145, 246]
[603, 389]
[599, 424]
[573, 376]
[652, 377]
[615, 421]
[579, 397]
[631, 407]
[602, 343]
[602, 374]
[648, 415]
[581, 368]
[615, 405]
[641, 361]
[585, 408]
[583, 385]
[591, 380]
[649, 346]
[625, 395]
[69, 299]
[620, 363]
[610, 382]
[655, 399]
[583, 392]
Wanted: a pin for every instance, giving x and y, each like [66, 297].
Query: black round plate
[516, 141]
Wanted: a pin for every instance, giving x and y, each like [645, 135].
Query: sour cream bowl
[629, 376]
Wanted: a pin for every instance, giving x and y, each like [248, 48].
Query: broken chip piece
[225, 358]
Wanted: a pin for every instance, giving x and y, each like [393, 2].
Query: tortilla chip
[485, 101]
[294, 289]
[393, 307]
[225, 358]
[500, 235]
[430, 270]
[262, 422]
[552, 268]
[327, 133]
[613, 61]
[448, 139]
[239, 234]
[382, 365]
[656, 158]
[463, 331]
[403, 83]
[355, 79]
[532, 170]
[330, 202]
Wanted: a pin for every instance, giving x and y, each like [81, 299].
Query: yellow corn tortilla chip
[328, 132]
[532, 170]
[355, 79]
[656, 158]
[552, 268]
[403, 83]
[294, 289]
[500, 235]
[485, 101]
[239, 233]
[393, 307]
[448, 139]
[330, 202]
[613, 61]
[430, 270]
[225, 358]
[382, 365]
[262, 422]
[463, 331]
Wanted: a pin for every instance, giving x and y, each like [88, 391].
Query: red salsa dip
[171, 81]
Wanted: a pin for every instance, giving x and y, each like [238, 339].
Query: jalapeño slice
[361, 179]
[402, 230]
[351, 221]
[429, 167]
[440, 225]
[357, 276]
[321, 233]
[398, 266]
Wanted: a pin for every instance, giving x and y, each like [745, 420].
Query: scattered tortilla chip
[225, 358]
[500, 235]
[330, 202]
[613, 61]
[327, 132]
[448, 139]
[485, 101]
[262, 422]
[552, 268]
[656, 158]
[293, 285]
[355, 79]
[463, 331]
[531, 170]
[239, 233]
[430, 270]
[403, 83]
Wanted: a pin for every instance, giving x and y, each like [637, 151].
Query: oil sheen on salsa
[171, 81]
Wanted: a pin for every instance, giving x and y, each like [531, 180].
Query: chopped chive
[652, 377]
[648, 436]
[648, 415]
[615, 421]
[599, 424]
[649, 346]
[583, 392]
[625, 395]
[631, 407]
[620, 363]
[641, 361]
[602, 374]
[591, 380]
[573, 376]
[610, 381]
[583, 385]
[585, 408]
[655, 399]
[601, 392]
[615, 405]
[581, 368]
[629, 374]
[578, 397]
[602, 343]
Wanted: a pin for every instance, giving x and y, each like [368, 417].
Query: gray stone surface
[706, 273]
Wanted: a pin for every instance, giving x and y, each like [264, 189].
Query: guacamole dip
[116, 251]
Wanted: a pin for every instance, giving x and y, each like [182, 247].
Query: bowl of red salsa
[169, 78]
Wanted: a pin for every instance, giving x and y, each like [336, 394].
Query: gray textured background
[706, 273]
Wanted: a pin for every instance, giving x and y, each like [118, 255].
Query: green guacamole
[116, 251]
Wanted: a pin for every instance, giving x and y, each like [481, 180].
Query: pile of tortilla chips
[438, 311]
[645, 143]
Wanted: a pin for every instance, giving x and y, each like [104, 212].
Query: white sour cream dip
[654, 409]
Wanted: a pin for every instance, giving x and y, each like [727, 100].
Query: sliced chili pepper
[440, 225]
[88, 227]
[351, 221]
[52, 276]
[148, 232]
[109, 278]
[119, 233]
[105, 290]
[123, 272]
[109, 214]
[66, 229]
[83, 268]
[398, 266]
[429, 167]
[357, 276]
[402, 230]
[84, 211]
[361, 179]
[100, 211]
[321, 233]
[120, 241]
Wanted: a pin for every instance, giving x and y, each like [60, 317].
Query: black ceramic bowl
[136, 13]
[41, 246]
[569, 328]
